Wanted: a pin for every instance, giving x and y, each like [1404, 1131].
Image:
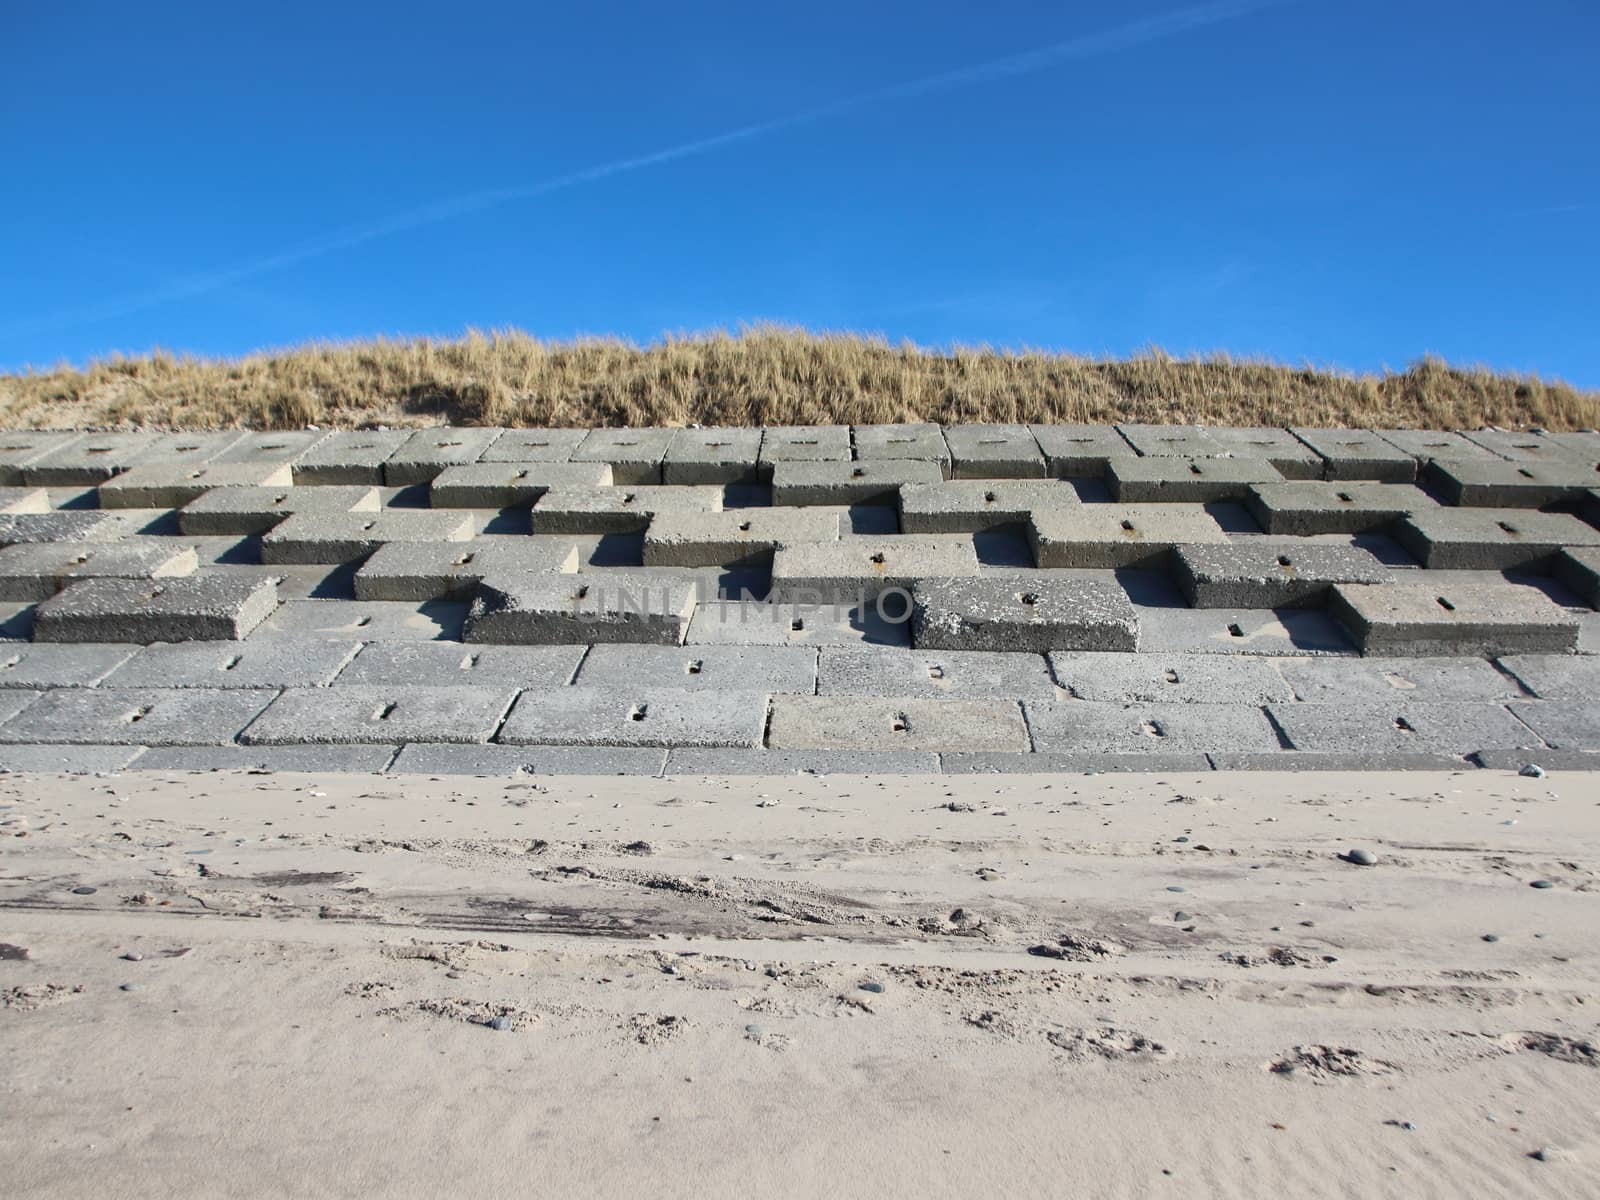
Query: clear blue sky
[1351, 182]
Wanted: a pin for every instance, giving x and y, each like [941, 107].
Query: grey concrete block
[1080, 451]
[875, 481]
[731, 623]
[894, 723]
[928, 674]
[248, 510]
[819, 572]
[1524, 447]
[1172, 441]
[1435, 617]
[273, 446]
[895, 443]
[67, 760]
[1579, 569]
[1071, 764]
[24, 500]
[634, 454]
[1493, 539]
[713, 762]
[1425, 445]
[365, 620]
[1022, 612]
[40, 570]
[1186, 480]
[21, 528]
[1292, 457]
[59, 665]
[1155, 678]
[1366, 680]
[1400, 727]
[712, 455]
[421, 758]
[16, 622]
[441, 570]
[355, 456]
[1548, 759]
[1350, 454]
[159, 485]
[534, 445]
[284, 663]
[510, 484]
[347, 537]
[17, 700]
[1085, 727]
[447, 664]
[580, 608]
[625, 508]
[638, 716]
[1307, 507]
[994, 452]
[1581, 444]
[1288, 632]
[380, 715]
[622, 668]
[304, 760]
[428, 451]
[970, 506]
[1498, 484]
[805, 443]
[1117, 535]
[192, 608]
[1550, 676]
[679, 539]
[21, 447]
[142, 717]
[1260, 574]
[1347, 760]
[96, 457]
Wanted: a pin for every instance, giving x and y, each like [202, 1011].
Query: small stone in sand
[85, 890]
[1361, 858]
[500, 1023]
[1532, 771]
[1545, 1154]
[755, 1030]
[128, 987]
[1176, 887]
[1180, 915]
[133, 956]
[1491, 937]
[872, 986]
[1541, 884]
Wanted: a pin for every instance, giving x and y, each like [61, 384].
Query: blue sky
[1346, 182]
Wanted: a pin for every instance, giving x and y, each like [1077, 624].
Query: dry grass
[762, 376]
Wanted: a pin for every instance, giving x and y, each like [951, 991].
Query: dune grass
[765, 375]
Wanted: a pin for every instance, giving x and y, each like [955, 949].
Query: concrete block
[1292, 457]
[96, 457]
[1425, 445]
[1550, 760]
[894, 723]
[1350, 454]
[1117, 535]
[1400, 727]
[19, 448]
[1579, 569]
[510, 484]
[715, 762]
[16, 701]
[1395, 680]
[1259, 574]
[16, 622]
[251, 510]
[306, 662]
[971, 506]
[929, 674]
[625, 508]
[1491, 539]
[1186, 480]
[876, 481]
[379, 716]
[1549, 676]
[142, 717]
[1524, 447]
[191, 608]
[355, 456]
[634, 454]
[1023, 612]
[514, 610]
[24, 500]
[1346, 760]
[428, 451]
[443, 570]
[67, 760]
[40, 570]
[712, 455]
[273, 446]
[1084, 727]
[915, 442]
[730, 623]
[22, 528]
[1172, 441]
[159, 485]
[638, 716]
[1498, 484]
[534, 445]
[1080, 451]
[1155, 678]
[52, 665]
[1581, 444]
[447, 664]
[819, 572]
[422, 758]
[993, 452]
[1418, 619]
[1306, 508]
[1287, 632]
[804, 443]
[622, 668]
[1070, 764]
[302, 760]
[365, 620]
[347, 537]
[738, 535]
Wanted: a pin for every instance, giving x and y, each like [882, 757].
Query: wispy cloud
[1123, 37]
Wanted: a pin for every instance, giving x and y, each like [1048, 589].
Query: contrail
[1091, 45]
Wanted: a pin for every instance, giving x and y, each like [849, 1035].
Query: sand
[293, 985]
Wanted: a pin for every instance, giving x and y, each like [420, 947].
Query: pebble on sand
[1532, 771]
[1541, 884]
[500, 1023]
[84, 890]
[1360, 857]
[873, 986]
